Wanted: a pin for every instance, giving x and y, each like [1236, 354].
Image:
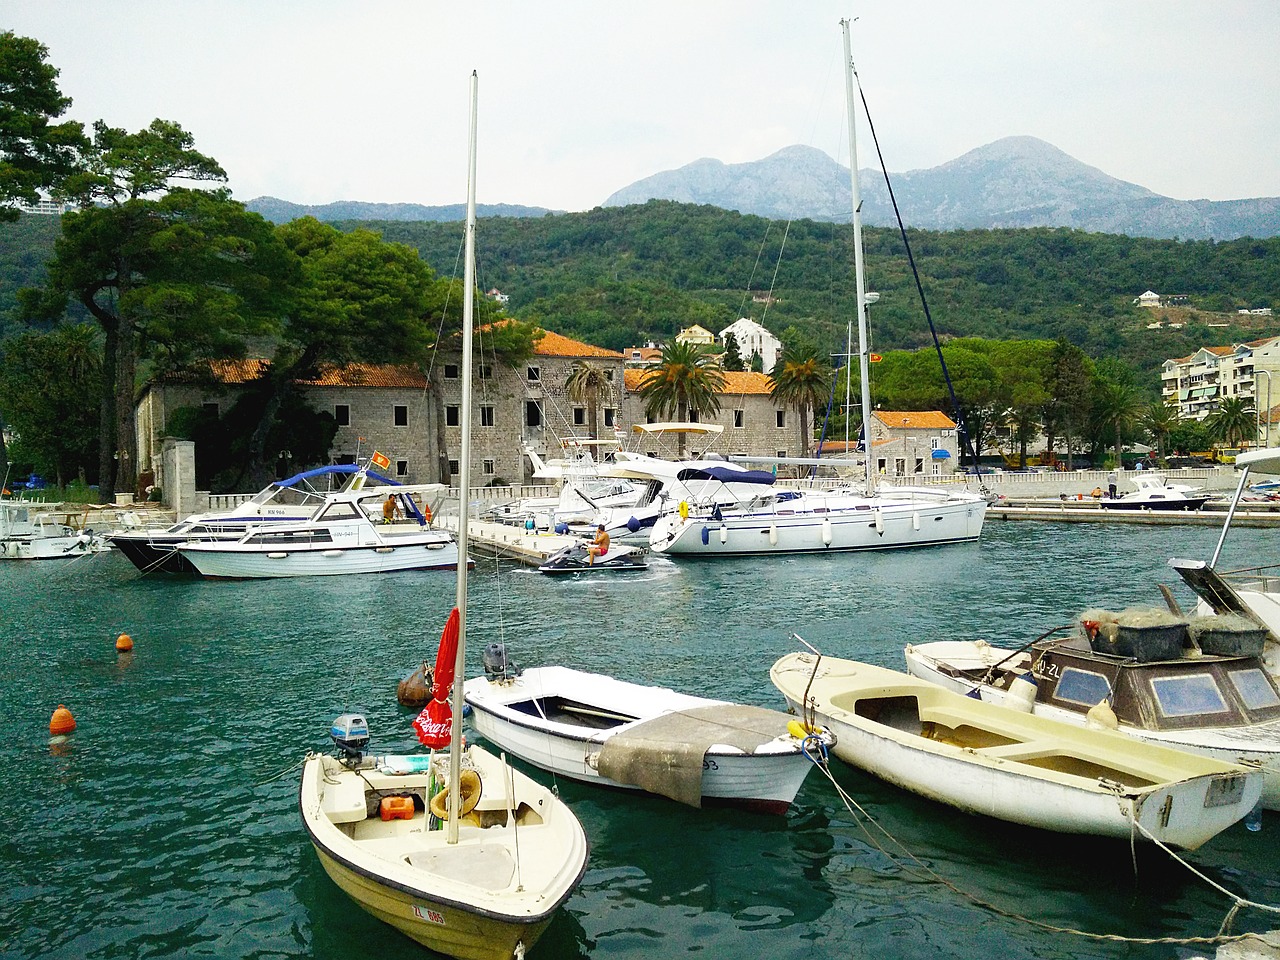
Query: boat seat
[1019, 751]
[487, 865]
[344, 802]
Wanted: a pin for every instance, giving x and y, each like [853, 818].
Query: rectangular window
[782, 418]
[609, 415]
[1189, 696]
[486, 415]
[345, 458]
[451, 371]
[919, 468]
[693, 415]
[579, 416]
[452, 415]
[400, 414]
[486, 371]
[608, 375]
[534, 375]
[342, 413]
[402, 468]
[935, 443]
[739, 417]
[210, 408]
[780, 454]
[488, 467]
[532, 413]
[453, 467]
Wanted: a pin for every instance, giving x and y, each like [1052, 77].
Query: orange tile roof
[1219, 351]
[915, 419]
[350, 375]
[736, 383]
[557, 345]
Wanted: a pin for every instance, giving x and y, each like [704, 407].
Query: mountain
[282, 211]
[1014, 182]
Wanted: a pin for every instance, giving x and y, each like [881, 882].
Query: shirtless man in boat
[599, 546]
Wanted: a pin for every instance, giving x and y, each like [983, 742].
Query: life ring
[471, 788]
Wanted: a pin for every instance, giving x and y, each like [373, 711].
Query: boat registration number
[1225, 791]
[427, 914]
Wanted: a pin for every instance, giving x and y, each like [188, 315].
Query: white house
[1148, 299]
[751, 338]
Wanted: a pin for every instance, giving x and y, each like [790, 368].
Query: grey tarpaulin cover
[664, 755]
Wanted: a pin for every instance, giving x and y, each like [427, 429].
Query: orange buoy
[62, 722]
[124, 643]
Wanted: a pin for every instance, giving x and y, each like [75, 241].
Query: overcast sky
[319, 100]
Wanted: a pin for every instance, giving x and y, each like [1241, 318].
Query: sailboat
[473, 872]
[768, 521]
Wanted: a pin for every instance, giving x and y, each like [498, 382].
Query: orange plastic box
[396, 808]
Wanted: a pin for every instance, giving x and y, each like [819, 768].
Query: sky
[314, 101]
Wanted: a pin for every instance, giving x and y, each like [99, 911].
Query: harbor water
[167, 824]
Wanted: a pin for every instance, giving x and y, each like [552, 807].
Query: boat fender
[1022, 692]
[468, 799]
[879, 518]
[633, 524]
[706, 536]
[684, 509]
[801, 730]
[562, 528]
[724, 533]
[826, 533]
[773, 534]
[915, 521]
[1102, 717]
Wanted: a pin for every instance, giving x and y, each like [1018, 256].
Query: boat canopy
[1266, 460]
[677, 428]
[335, 468]
[726, 475]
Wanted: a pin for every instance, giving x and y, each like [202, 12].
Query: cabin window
[1083, 687]
[739, 418]
[452, 415]
[400, 415]
[340, 511]
[533, 374]
[532, 413]
[486, 415]
[1189, 696]
[402, 468]
[451, 371]
[342, 414]
[1254, 688]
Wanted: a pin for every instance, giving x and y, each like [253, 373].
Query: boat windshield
[1083, 687]
[1255, 689]
[1191, 695]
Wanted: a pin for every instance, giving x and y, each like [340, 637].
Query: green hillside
[618, 276]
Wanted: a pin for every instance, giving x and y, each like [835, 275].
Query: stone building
[907, 443]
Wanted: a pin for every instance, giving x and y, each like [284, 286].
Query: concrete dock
[508, 542]
[1077, 511]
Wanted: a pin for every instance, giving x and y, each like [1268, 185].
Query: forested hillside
[618, 276]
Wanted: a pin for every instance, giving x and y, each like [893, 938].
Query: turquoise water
[167, 825]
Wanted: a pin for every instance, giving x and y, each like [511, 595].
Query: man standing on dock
[1111, 484]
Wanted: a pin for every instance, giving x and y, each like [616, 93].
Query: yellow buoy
[62, 722]
[124, 643]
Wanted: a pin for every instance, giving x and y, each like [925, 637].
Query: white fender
[826, 531]
[724, 533]
[915, 520]
[879, 518]
[773, 534]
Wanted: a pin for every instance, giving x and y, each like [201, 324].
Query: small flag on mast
[381, 461]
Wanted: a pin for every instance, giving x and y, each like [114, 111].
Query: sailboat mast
[864, 364]
[464, 474]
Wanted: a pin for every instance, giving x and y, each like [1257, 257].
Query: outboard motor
[350, 734]
[496, 664]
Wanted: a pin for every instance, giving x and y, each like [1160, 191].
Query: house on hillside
[696, 334]
[753, 338]
[1148, 299]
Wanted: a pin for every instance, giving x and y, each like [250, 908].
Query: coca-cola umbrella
[434, 724]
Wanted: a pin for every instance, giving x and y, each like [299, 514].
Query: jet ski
[575, 559]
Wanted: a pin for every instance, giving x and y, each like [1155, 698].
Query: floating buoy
[62, 722]
[415, 690]
[124, 643]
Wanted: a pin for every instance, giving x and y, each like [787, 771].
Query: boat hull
[227, 562]
[482, 898]
[152, 554]
[1035, 772]
[766, 780]
[897, 526]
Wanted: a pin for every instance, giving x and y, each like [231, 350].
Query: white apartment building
[1196, 384]
[751, 338]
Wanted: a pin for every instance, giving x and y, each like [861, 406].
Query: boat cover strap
[664, 755]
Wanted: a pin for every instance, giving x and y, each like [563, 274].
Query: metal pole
[1257, 414]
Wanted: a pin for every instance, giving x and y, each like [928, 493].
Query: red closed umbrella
[434, 725]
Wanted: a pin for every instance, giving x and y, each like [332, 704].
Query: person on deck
[599, 546]
[1112, 479]
[391, 509]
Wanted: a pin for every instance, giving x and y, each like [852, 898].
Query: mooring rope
[906, 859]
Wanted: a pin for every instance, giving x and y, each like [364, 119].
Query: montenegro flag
[875, 358]
[380, 461]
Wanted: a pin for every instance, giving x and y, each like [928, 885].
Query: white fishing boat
[586, 487]
[879, 518]
[633, 736]
[31, 530]
[510, 852]
[292, 500]
[995, 761]
[1250, 591]
[1155, 492]
[347, 534]
[1221, 706]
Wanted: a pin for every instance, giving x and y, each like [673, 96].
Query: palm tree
[801, 379]
[685, 382]
[1232, 421]
[587, 384]
[1116, 407]
[1159, 421]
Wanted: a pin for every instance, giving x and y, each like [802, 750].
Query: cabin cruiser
[1156, 493]
[31, 530]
